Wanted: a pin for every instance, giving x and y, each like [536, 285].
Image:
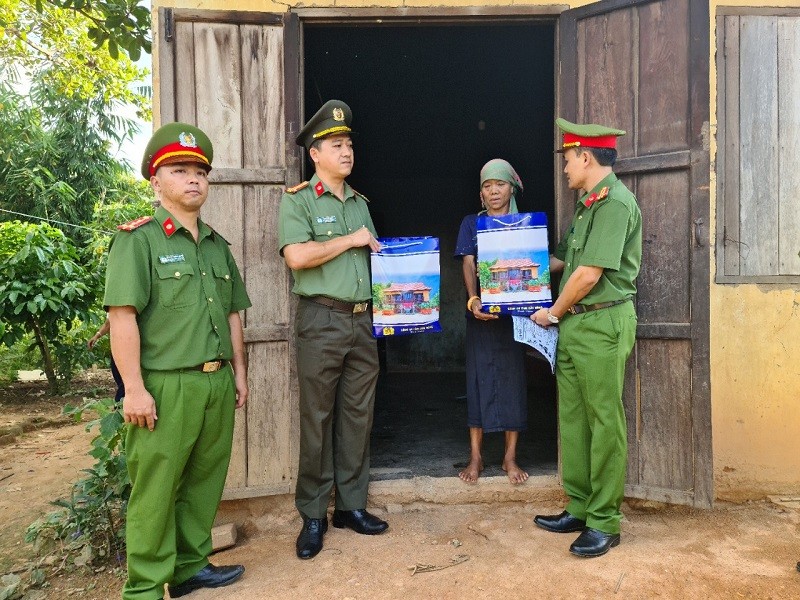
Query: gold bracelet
[469, 302]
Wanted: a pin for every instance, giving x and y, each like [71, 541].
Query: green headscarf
[500, 169]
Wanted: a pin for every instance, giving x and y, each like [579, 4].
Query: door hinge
[169, 25]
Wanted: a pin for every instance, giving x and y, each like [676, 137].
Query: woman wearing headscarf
[496, 386]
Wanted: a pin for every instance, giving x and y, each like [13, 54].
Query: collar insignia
[319, 189]
[168, 226]
[596, 197]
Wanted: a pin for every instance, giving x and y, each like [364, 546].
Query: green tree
[484, 272]
[43, 291]
[112, 24]
[377, 294]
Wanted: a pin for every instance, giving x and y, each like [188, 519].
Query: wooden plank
[237, 468]
[228, 16]
[268, 445]
[184, 83]
[788, 150]
[665, 448]
[262, 96]
[699, 201]
[245, 176]
[377, 16]
[663, 296]
[730, 146]
[224, 211]
[243, 493]
[292, 107]
[219, 90]
[666, 495]
[679, 159]
[758, 102]
[665, 129]
[610, 57]
[166, 66]
[663, 331]
[267, 274]
[267, 333]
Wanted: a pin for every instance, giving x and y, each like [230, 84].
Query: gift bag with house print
[514, 263]
[405, 286]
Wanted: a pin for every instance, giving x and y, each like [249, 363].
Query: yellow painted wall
[755, 329]
[755, 363]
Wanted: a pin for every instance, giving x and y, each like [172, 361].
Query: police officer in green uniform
[600, 257]
[173, 295]
[325, 235]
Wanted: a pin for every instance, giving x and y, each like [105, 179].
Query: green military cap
[176, 143]
[334, 117]
[587, 136]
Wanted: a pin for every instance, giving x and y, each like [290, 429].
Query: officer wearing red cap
[600, 257]
[173, 295]
[325, 235]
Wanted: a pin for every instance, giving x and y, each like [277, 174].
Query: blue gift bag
[405, 286]
[514, 263]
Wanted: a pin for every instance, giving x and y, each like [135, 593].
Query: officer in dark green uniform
[174, 293]
[600, 257]
[325, 235]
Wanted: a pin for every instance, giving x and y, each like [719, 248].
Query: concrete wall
[755, 373]
[755, 329]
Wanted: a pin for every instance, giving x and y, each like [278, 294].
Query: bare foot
[515, 474]
[473, 470]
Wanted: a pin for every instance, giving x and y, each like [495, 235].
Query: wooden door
[642, 66]
[236, 75]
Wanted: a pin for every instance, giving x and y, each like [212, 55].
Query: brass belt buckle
[212, 367]
[360, 307]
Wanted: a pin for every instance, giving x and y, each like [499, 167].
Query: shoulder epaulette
[297, 188]
[357, 193]
[135, 224]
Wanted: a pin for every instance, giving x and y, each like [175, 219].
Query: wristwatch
[551, 317]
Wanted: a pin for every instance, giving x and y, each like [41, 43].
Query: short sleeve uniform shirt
[182, 290]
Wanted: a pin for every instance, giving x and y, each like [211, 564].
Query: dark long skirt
[497, 394]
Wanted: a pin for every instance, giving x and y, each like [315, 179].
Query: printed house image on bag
[405, 286]
[514, 263]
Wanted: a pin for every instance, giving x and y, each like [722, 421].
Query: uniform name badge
[514, 263]
[171, 258]
[405, 286]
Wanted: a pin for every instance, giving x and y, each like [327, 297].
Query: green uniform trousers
[593, 348]
[337, 368]
[177, 474]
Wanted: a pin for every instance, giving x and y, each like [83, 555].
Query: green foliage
[112, 24]
[15, 357]
[484, 274]
[44, 291]
[377, 294]
[434, 302]
[89, 527]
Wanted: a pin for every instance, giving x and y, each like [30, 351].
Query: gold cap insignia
[187, 140]
[338, 114]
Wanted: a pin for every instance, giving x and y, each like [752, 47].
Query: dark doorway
[431, 104]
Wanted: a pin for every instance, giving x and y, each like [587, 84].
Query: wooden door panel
[663, 296]
[226, 72]
[642, 66]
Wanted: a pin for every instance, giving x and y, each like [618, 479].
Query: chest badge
[171, 258]
[327, 219]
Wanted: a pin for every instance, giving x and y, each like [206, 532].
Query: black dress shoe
[359, 521]
[309, 542]
[563, 523]
[208, 577]
[593, 542]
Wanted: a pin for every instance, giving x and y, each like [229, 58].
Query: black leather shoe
[359, 521]
[309, 542]
[593, 542]
[208, 577]
[563, 523]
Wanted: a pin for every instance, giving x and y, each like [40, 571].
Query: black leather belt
[211, 366]
[577, 309]
[351, 307]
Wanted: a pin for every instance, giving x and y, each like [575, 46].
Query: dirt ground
[430, 551]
